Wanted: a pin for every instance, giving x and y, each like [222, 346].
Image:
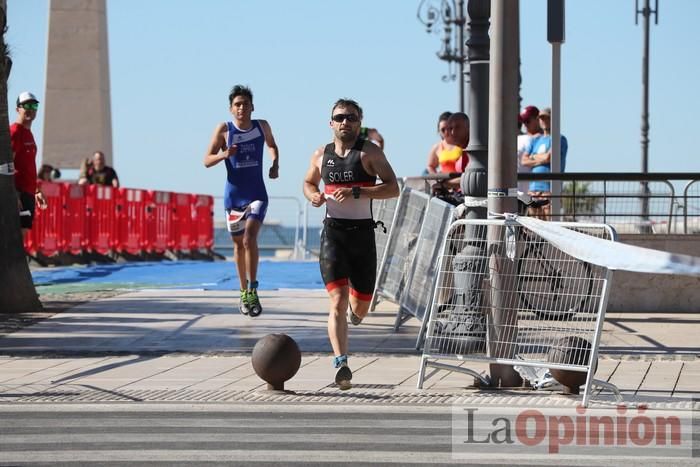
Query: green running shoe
[253, 302]
[243, 303]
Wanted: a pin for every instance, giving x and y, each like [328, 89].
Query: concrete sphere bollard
[570, 350]
[276, 359]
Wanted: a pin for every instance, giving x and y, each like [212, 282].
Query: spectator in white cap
[24, 157]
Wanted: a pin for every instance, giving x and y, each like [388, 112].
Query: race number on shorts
[235, 220]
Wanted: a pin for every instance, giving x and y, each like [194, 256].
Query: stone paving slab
[157, 321]
[661, 378]
[651, 333]
[163, 341]
[232, 377]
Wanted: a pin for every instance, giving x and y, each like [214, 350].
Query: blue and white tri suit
[245, 187]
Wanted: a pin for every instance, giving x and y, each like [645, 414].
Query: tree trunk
[17, 292]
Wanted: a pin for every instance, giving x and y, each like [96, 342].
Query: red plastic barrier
[202, 222]
[102, 218]
[46, 235]
[182, 221]
[75, 226]
[131, 221]
[159, 218]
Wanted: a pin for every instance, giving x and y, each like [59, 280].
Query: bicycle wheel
[553, 289]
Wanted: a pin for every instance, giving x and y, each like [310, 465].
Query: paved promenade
[193, 346]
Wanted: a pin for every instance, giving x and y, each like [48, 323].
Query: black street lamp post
[447, 15]
[646, 12]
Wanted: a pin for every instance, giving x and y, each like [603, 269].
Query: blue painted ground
[217, 275]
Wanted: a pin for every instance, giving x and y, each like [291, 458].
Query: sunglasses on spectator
[30, 106]
[352, 118]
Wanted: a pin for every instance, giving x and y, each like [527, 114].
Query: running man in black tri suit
[349, 167]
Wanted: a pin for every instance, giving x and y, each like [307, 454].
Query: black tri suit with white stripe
[348, 253]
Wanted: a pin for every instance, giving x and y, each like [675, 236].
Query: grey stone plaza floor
[193, 345]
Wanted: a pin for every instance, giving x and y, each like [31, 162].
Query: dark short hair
[347, 103]
[240, 90]
[461, 116]
[443, 118]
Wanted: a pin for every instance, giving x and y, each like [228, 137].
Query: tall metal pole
[478, 58]
[646, 12]
[502, 185]
[460, 21]
[474, 181]
[555, 36]
[555, 130]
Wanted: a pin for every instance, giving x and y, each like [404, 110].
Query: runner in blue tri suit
[348, 167]
[239, 144]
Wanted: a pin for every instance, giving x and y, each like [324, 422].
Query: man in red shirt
[24, 156]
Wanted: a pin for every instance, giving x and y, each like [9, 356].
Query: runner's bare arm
[272, 148]
[312, 180]
[375, 163]
[217, 150]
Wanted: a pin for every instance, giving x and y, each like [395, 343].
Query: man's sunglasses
[352, 118]
[30, 106]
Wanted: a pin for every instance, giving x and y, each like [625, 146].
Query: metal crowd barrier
[422, 272]
[691, 207]
[400, 248]
[505, 295]
[383, 211]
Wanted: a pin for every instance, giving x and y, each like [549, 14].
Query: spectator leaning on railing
[458, 137]
[528, 118]
[441, 146]
[538, 156]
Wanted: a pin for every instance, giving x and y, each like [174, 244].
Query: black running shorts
[349, 256]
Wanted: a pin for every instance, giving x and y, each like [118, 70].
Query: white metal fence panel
[505, 295]
[691, 205]
[400, 247]
[415, 299]
[383, 211]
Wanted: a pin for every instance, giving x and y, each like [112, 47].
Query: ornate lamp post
[646, 12]
[448, 16]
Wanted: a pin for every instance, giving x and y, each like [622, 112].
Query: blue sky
[173, 62]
